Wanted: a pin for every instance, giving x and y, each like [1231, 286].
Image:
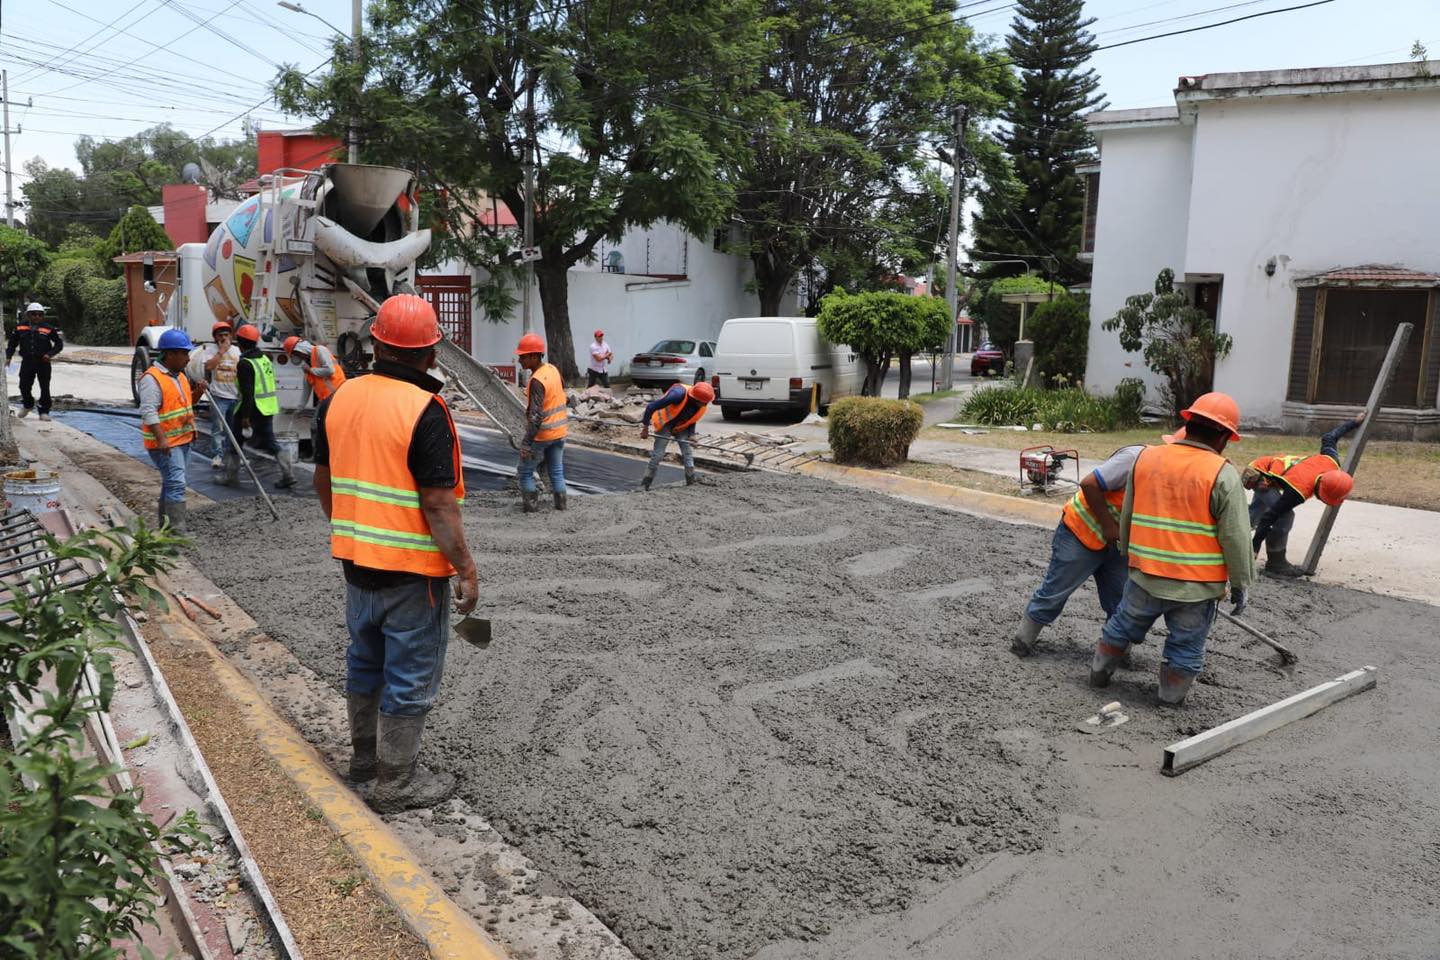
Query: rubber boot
[44, 416]
[364, 711]
[1023, 643]
[1102, 665]
[232, 470]
[648, 479]
[1174, 684]
[24, 412]
[287, 470]
[690, 476]
[402, 783]
[560, 500]
[1277, 566]
[176, 513]
[529, 501]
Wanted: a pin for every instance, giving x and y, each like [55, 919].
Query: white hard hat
[34, 308]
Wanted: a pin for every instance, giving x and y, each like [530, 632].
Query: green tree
[1001, 319]
[1061, 331]
[635, 121]
[1034, 205]
[23, 260]
[1179, 342]
[851, 91]
[137, 231]
[881, 326]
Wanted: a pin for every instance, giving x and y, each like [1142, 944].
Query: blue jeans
[687, 452]
[1071, 564]
[171, 465]
[553, 453]
[220, 407]
[1189, 625]
[398, 638]
[1279, 534]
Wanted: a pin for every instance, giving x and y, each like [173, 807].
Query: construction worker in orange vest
[674, 416]
[1085, 545]
[167, 421]
[1281, 483]
[323, 374]
[388, 474]
[1185, 528]
[546, 418]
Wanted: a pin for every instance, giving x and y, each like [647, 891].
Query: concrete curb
[447, 931]
[992, 506]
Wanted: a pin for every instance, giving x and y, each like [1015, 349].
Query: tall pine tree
[1034, 207]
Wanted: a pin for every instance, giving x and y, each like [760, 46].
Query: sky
[110, 68]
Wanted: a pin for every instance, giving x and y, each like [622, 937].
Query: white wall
[1139, 230]
[1317, 183]
[636, 311]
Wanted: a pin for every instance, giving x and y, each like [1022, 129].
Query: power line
[138, 4]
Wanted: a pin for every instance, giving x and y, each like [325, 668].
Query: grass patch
[1400, 473]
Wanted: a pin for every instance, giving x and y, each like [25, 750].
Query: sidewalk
[1374, 547]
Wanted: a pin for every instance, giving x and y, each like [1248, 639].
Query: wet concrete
[770, 716]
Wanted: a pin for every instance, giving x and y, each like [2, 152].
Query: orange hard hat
[1218, 408]
[247, 331]
[219, 325]
[703, 392]
[406, 321]
[1334, 487]
[291, 343]
[530, 343]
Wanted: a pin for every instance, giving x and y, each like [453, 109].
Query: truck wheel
[729, 413]
[138, 365]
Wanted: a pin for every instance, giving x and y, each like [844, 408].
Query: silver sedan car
[673, 361]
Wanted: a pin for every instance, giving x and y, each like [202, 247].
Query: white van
[765, 363]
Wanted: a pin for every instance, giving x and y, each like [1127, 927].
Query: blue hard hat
[175, 340]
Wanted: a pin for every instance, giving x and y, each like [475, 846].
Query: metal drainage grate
[28, 568]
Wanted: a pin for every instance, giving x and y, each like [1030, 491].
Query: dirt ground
[773, 717]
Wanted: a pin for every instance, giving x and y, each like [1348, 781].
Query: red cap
[600, 334]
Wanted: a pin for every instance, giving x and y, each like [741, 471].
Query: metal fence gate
[450, 296]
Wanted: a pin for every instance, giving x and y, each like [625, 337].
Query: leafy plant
[1061, 331]
[1069, 410]
[78, 860]
[873, 431]
[880, 325]
[22, 261]
[1179, 341]
[1001, 319]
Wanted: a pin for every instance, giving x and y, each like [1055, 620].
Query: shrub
[1071, 410]
[89, 307]
[1061, 331]
[873, 431]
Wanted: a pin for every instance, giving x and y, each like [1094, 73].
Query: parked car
[773, 362]
[673, 361]
[987, 360]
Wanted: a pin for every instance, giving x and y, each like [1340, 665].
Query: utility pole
[354, 131]
[9, 195]
[529, 203]
[952, 293]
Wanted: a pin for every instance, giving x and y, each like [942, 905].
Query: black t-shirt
[431, 460]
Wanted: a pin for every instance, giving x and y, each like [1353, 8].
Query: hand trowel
[474, 631]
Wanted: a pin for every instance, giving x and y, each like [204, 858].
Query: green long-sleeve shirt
[1232, 517]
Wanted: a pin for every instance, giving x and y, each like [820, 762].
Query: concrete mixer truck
[314, 253]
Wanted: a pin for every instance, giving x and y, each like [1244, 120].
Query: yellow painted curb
[993, 506]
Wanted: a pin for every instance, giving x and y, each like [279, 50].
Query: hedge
[1066, 411]
[872, 431]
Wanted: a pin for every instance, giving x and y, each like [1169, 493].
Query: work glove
[1239, 598]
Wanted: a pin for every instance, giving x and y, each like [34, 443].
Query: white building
[655, 284]
[1299, 208]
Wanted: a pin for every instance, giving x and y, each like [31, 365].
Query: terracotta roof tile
[1375, 273]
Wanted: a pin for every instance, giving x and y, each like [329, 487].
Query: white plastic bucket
[289, 443]
[35, 490]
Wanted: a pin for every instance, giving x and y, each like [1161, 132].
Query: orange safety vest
[1082, 522]
[323, 386]
[673, 419]
[177, 411]
[555, 416]
[375, 515]
[1302, 474]
[1173, 532]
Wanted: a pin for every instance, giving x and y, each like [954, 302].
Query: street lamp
[353, 134]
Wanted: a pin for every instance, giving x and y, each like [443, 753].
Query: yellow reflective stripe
[1169, 523]
[146, 430]
[380, 536]
[1082, 510]
[377, 492]
[1177, 556]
